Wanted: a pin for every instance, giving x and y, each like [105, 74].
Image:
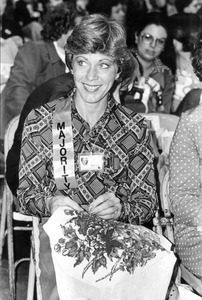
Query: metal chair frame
[10, 216]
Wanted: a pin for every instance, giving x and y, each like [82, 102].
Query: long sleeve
[185, 180]
[22, 79]
[140, 203]
[35, 63]
[35, 180]
[131, 179]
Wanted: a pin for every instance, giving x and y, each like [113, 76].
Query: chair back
[164, 219]
[9, 134]
[12, 216]
[163, 125]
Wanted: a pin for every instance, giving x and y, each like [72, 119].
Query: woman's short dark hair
[97, 33]
[58, 20]
[156, 18]
[197, 56]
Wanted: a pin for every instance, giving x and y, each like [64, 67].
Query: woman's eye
[104, 66]
[81, 62]
[148, 37]
[162, 42]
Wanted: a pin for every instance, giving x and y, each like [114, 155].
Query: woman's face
[94, 75]
[151, 41]
[118, 12]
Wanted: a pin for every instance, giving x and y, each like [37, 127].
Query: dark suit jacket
[54, 88]
[35, 63]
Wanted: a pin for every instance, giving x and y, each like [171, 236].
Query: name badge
[91, 162]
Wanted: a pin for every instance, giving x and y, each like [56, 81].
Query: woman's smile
[91, 88]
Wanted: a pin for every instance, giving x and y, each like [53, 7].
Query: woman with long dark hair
[155, 52]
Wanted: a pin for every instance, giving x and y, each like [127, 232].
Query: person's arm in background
[22, 81]
[168, 91]
[54, 88]
[185, 188]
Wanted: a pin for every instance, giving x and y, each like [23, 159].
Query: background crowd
[28, 34]
[22, 21]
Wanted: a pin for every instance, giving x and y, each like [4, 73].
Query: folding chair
[7, 144]
[163, 127]
[30, 224]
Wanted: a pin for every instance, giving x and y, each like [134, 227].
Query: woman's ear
[118, 75]
[136, 38]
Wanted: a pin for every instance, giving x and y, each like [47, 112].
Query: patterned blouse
[164, 77]
[126, 143]
[186, 188]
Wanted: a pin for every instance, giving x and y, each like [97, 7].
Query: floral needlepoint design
[87, 238]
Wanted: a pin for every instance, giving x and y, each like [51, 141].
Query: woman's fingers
[109, 214]
[106, 206]
[58, 201]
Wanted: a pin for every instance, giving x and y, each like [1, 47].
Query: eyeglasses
[149, 39]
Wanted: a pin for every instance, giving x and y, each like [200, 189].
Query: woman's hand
[56, 201]
[106, 206]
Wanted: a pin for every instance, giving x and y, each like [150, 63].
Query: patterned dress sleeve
[35, 182]
[139, 206]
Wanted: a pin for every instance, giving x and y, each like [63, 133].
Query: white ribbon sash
[63, 149]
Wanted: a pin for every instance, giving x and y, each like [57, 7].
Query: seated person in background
[11, 38]
[153, 91]
[9, 48]
[114, 191]
[10, 26]
[187, 6]
[112, 8]
[184, 28]
[28, 14]
[186, 180]
[82, 5]
[36, 62]
[171, 8]
[29, 19]
[156, 6]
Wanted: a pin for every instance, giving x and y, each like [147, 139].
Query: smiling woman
[94, 75]
[87, 167]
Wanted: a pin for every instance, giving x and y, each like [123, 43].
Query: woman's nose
[92, 73]
[122, 13]
[153, 43]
